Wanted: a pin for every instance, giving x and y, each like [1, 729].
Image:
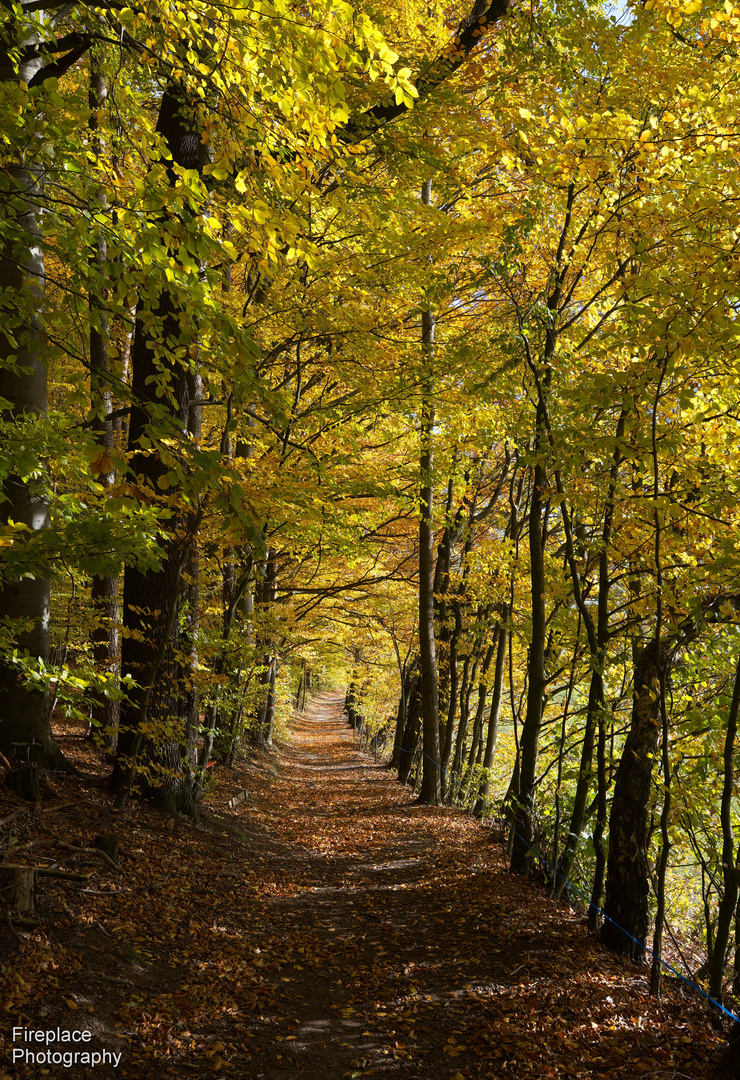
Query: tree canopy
[396, 347]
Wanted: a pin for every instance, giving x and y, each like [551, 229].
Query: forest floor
[326, 926]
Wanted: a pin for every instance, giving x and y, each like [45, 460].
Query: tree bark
[529, 742]
[104, 589]
[475, 754]
[491, 735]
[25, 728]
[267, 597]
[598, 638]
[409, 681]
[168, 759]
[626, 906]
[411, 732]
[730, 858]
[431, 788]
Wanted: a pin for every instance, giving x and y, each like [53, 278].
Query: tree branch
[476, 25]
[54, 71]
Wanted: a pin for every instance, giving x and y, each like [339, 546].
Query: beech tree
[411, 352]
[27, 59]
[38, 51]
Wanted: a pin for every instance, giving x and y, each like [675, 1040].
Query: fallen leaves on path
[327, 925]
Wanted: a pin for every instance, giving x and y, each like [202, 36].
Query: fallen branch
[96, 852]
[67, 875]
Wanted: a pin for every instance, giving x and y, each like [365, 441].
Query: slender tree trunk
[267, 597]
[730, 857]
[476, 746]
[598, 638]
[403, 710]
[529, 741]
[441, 585]
[665, 847]
[597, 887]
[350, 698]
[191, 585]
[462, 729]
[104, 589]
[491, 735]
[411, 732]
[213, 712]
[580, 800]
[529, 744]
[431, 788]
[452, 690]
[269, 717]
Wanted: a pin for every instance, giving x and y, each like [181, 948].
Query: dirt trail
[324, 926]
[407, 950]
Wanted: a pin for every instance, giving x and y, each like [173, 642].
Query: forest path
[396, 944]
[320, 925]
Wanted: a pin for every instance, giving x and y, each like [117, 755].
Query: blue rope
[590, 903]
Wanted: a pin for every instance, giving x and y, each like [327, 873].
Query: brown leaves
[381, 939]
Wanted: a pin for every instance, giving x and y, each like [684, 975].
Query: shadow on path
[396, 944]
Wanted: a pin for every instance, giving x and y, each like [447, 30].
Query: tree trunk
[599, 826]
[431, 788]
[498, 684]
[267, 596]
[191, 583]
[476, 745]
[529, 742]
[411, 732]
[104, 590]
[25, 728]
[269, 715]
[598, 638]
[626, 907]
[462, 732]
[403, 709]
[580, 800]
[730, 857]
[168, 759]
[453, 683]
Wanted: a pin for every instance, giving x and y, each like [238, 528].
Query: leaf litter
[316, 920]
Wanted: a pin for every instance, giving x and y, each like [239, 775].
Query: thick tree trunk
[25, 729]
[627, 877]
[167, 758]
